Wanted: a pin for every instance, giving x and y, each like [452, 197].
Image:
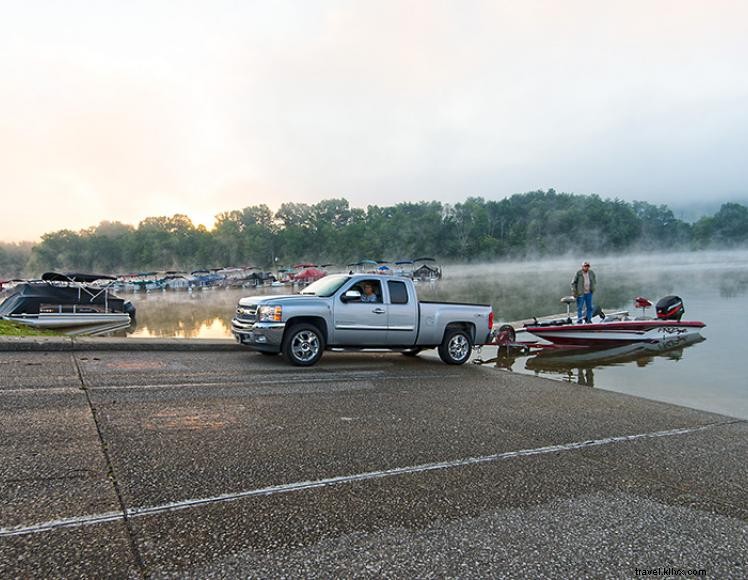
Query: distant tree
[728, 227]
[14, 258]
[659, 227]
[297, 215]
[61, 250]
[731, 223]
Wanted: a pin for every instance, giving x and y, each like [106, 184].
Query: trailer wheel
[303, 345]
[506, 335]
[456, 347]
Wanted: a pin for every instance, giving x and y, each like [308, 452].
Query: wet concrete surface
[198, 464]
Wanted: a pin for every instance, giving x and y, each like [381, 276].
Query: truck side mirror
[351, 296]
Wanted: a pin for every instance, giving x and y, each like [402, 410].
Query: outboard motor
[670, 308]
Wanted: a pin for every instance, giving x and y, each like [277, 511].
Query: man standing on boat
[582, 287]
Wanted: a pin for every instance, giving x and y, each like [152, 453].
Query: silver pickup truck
[357, 312]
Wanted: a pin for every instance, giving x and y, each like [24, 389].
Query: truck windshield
[326, 286]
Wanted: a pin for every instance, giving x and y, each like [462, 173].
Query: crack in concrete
[124, 515]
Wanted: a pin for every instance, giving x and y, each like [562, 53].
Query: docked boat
[205, 279]
[73, 303]
[620, 330]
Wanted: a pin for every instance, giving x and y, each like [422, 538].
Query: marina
[707, 375]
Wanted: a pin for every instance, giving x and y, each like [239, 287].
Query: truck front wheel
[456, 347]
[303, 345]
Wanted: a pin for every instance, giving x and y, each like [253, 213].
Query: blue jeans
[586, 301]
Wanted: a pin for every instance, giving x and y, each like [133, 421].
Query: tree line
[535, 223]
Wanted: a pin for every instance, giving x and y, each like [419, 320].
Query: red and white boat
[605, 331]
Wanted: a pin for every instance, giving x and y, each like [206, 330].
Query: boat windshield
[326, 286]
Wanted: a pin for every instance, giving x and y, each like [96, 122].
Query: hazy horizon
[688, 213]
[121, 111]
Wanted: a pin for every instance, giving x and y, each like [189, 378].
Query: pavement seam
[77, 344]
[23, 390]
[250, 382]
[680, 490]
[112, 516]
[129, 513]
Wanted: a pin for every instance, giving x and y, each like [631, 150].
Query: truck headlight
[270, 314]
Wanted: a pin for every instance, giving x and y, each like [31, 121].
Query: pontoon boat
[75, 303]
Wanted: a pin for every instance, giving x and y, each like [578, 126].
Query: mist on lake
[516, 290]
[523, 289]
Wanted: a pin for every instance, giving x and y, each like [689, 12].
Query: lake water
[710, 375]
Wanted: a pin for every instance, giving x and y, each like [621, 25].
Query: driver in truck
[369, 294]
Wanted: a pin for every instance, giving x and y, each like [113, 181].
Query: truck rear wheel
[303, 345]
[456, 347]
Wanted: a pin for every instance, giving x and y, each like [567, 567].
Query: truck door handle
[378, 311]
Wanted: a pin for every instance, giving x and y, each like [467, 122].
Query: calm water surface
[711, 375]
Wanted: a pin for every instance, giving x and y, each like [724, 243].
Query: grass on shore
[13, 329]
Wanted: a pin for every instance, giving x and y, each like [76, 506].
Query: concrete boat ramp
[192, 460]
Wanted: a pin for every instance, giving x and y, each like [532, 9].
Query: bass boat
[607, 331]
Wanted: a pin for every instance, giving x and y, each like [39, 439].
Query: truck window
[398, 292]
[370, 290]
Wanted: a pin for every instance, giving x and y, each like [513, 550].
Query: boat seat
[568, 300]
[641, 302]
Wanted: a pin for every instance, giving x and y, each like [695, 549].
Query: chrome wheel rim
[459, 347]
[305, 346]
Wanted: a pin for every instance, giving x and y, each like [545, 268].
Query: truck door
[361, 323]
[402, 318]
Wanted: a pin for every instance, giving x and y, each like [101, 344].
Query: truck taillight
[490, 320]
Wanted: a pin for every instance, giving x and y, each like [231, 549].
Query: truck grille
[247, 313]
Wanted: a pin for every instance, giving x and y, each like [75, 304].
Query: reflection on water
[578, 365]
[713, 285]
[183, 315]
[200, 314]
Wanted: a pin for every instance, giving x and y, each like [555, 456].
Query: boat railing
[104, 285]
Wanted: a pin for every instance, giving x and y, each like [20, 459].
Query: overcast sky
[128, 109]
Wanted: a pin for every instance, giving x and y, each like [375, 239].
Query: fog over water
[710, 375]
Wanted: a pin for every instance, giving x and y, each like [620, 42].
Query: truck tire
[303, 345]
[456, 347]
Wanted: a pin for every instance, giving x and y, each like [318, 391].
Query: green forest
[530, 224]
